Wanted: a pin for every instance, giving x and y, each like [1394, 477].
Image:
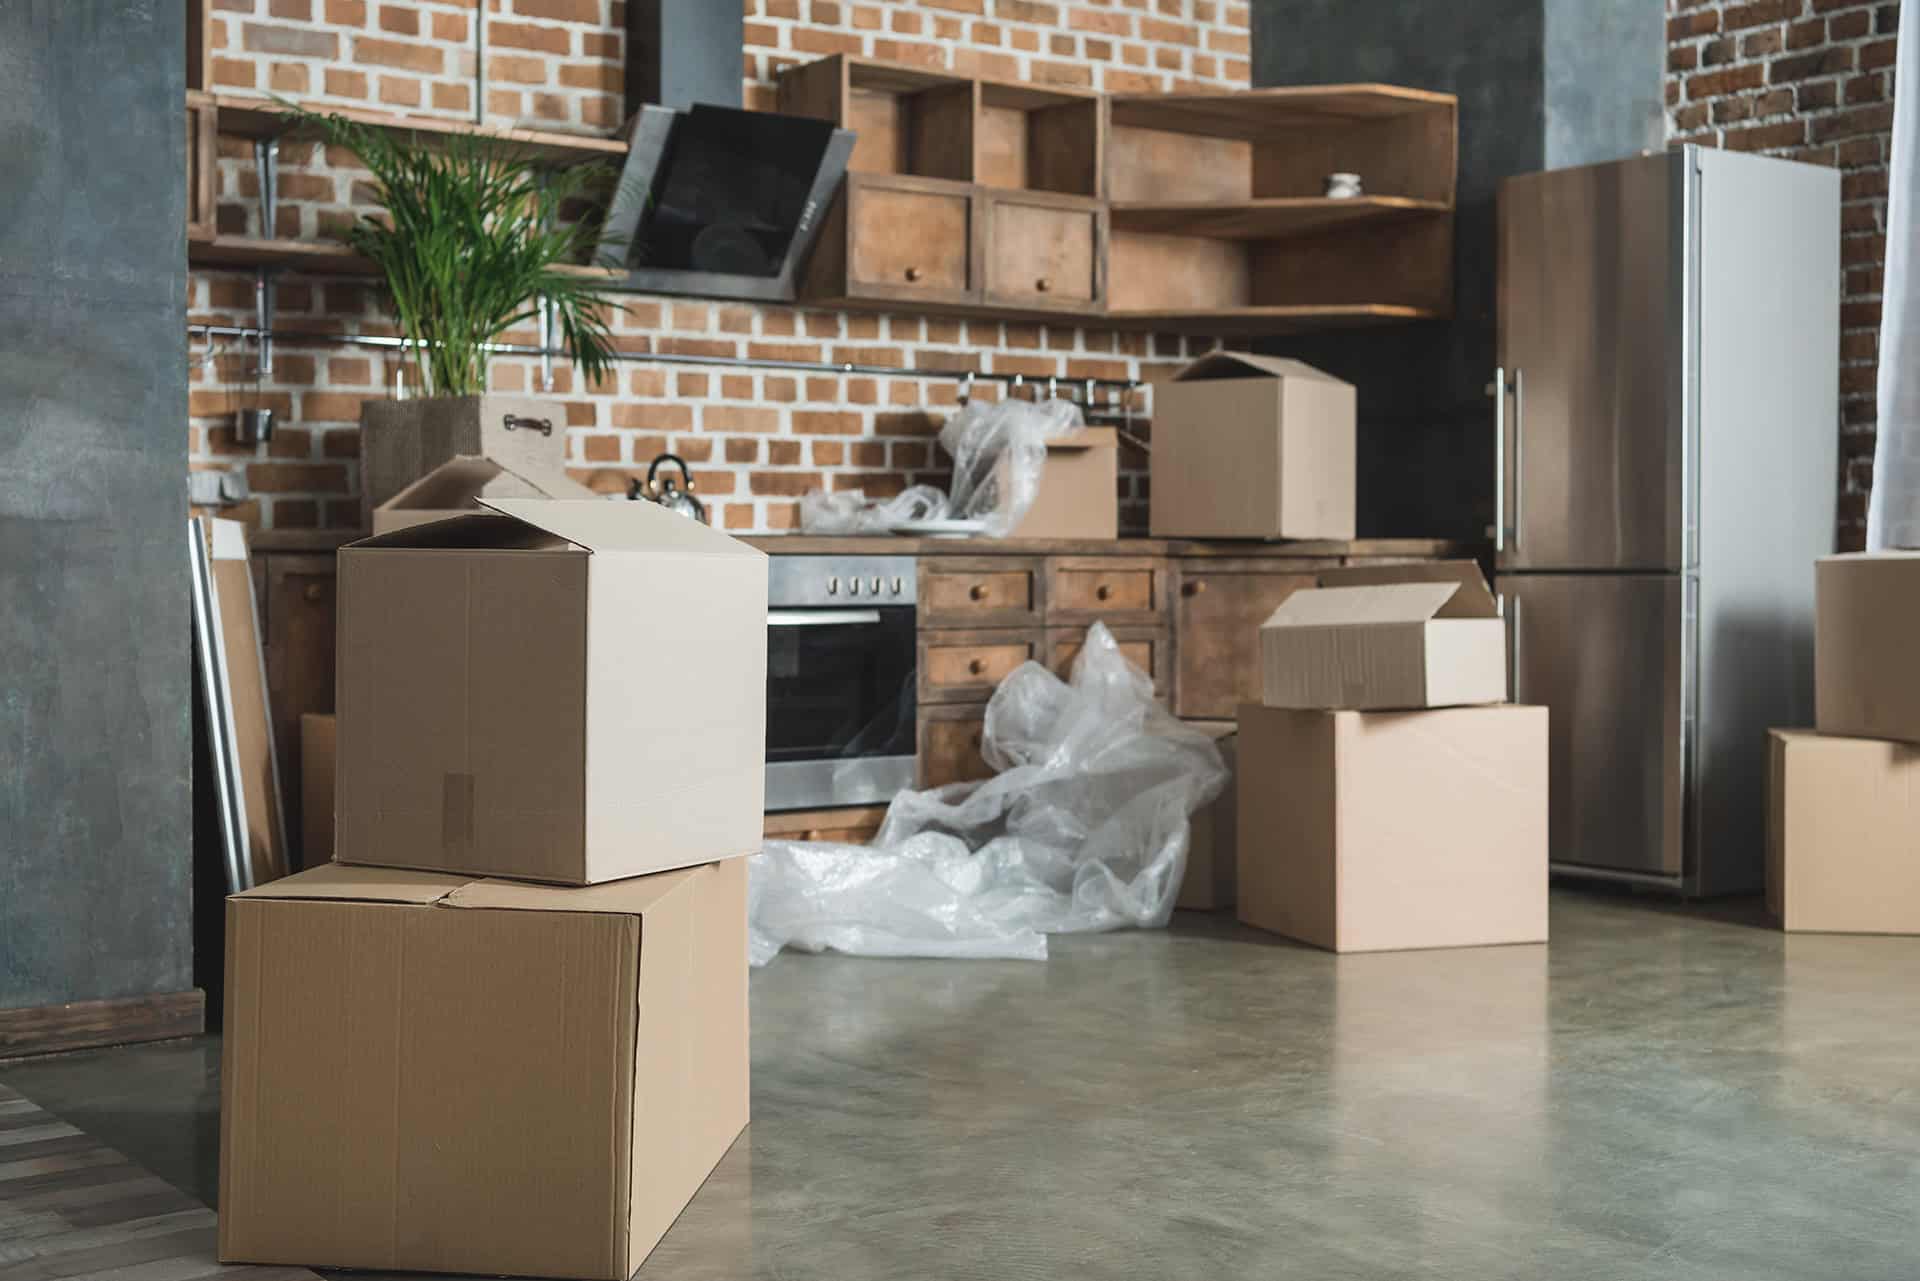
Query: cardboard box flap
[463, 480]
[606, 526]
[632, 897]
[1471, 597]
[1247, 364]
[482, 531]
[1351, 606]
[360, 884]
[1086, 438]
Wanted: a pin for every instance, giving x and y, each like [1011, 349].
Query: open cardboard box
[459, 487]
[1079, 489]
[442, 1074]
[1370, 639]
[557, 691]
[1843, 815]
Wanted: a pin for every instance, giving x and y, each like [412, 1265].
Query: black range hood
[722, 203]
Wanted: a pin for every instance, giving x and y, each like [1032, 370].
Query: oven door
[840, 706]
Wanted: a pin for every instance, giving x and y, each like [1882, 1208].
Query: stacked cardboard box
[1843, 821]
[1390, 797]
[506, 1031]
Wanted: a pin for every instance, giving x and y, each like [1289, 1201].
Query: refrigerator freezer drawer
[1604, 653]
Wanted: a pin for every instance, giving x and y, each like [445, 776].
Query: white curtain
[1893, 507]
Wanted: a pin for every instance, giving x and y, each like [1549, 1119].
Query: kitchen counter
[889, 545]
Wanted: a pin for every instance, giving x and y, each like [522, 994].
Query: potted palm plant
[469, 241]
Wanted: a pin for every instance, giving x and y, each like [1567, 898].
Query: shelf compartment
[244, 117]
[1034, 139]
[1044, 251]
[1261, 144]
[1273, 219]
[319, 257]
[906, 120]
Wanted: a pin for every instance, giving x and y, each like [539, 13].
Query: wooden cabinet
[967, 666]
[1148, 648]
[854, 825]
[986, 591]
[905, 240]
[1219, 607]
[951, 737]
[1045, 251]
[1110, 589]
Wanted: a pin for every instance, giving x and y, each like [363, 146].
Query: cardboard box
[403, 440]
[1380, 831]
[1248, 446]
[1843, 834]
[460, 485]
[432, 1073]
[317, 753]
[1867, 632]
[1079, 490]
[568, 692]
[1208, 884]
[1361, 643]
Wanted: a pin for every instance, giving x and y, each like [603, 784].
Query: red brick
[604, 76]
[402, 20]
[303, 477]
[788, 484]
[819, 423]
[526, 35]
[653, 417]
[450, 28]
[394, 53]
[517, 68]
[1758, 13]
[743, 451]
[1713, 84]
[586, 12]
[400, 91]
[233, 71]
[452, 97]
[739, 418]
[783, 453]
[288, 78]
[1848, 124]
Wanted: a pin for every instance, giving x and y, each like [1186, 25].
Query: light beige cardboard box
[433, 1073]
[458, 486]
[1843, 834]
[1867, 635]
[1381, 831]
[1208, 884]
[1248, 446]
[1361, 643]
[566, 691]
[1079, 489]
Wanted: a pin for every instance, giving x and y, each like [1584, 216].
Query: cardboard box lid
[606, 527]
[341, 881]
[1085, 438]
[464, 480]
[1363, 606]
[1247, 364]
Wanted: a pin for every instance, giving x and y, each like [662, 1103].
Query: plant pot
[403, 440]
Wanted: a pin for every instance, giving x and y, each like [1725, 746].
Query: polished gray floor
[1660, 1094]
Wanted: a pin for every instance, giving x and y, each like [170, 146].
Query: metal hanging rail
[966, 377]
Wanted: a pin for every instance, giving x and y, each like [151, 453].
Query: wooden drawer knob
[913, 273]
[977, 667]
[1102, 592]
[1192, 589]
[314, 593]
[1042, 285]
[977, 592]
[975, 740]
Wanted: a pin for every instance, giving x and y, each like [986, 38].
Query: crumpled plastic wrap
[1084, 828]
[999, 450]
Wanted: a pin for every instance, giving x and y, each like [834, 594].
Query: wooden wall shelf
[1199, 212]
[247, 117]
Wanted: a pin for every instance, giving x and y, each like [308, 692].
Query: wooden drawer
[1107, 589]
[1148, 648]
[1044, 251]
[983, 591]
[848, 825]
[1220, 606]
[908, 239]
[950, 739]
[966, 666]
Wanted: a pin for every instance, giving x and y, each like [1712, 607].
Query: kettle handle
[686, 473]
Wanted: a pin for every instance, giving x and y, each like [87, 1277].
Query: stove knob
[898, 586]
[833, 585]
[876, 587]
[853, 587]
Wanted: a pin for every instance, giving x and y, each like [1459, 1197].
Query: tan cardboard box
[458, 486]
[1079, 490]
[432, 1073]
[1379, 831]
[1867, 633]
[1843, 834]
[316, 788]
[1248, 446]
[1360, 643]
[569, 692]
[1208, 884]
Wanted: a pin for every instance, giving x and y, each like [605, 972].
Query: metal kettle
[662, 489]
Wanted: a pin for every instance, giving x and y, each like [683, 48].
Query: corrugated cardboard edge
[1385, 604]
[1249, 364]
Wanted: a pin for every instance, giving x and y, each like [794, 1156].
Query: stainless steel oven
[840, 679]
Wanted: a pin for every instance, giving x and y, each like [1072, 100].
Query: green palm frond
[470, 238]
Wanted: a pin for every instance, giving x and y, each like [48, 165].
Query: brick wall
[757, 439]
[1810, 79]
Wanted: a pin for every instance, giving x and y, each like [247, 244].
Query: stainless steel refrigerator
[1667, 439]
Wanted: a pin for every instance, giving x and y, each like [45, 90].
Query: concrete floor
[1662, 1094]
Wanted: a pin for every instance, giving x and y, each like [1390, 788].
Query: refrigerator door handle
[1519, 458]
[1509, 609]
[1498, 390]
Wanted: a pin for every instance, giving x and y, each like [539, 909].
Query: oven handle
[822, 617]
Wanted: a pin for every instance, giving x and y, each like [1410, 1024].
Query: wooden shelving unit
[245, 117]
[1201, 212]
